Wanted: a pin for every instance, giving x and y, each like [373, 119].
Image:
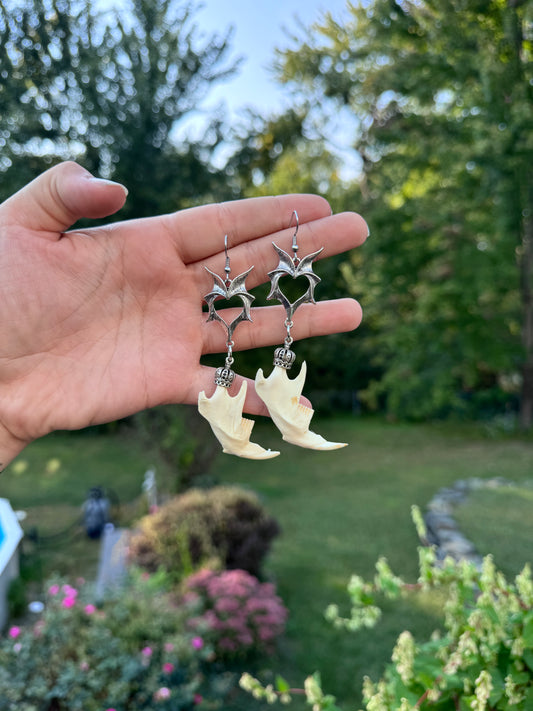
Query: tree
[107, 87]
[442, 92]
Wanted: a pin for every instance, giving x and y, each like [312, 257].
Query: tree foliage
[442, 96]
[108, 88]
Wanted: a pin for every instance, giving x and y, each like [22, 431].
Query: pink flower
[146, 651]
[38, 628]
[84, 666]
[169, 647]
[53, 589]
[266, 634]
[245, 638]
[14, 632]
[89, 609]
[17, 647]
[197, 642]
[162, 693]
[227, 604]
[69, 591]
[191, 598]
[69, 602]
[198, 699]
[228, 644]
[168, 668]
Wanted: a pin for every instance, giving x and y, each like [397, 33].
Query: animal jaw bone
[282, 398]
[224, 414]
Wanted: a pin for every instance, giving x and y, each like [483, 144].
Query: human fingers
[268, 329]
[59, 197]
[335, 233]
[199, 231]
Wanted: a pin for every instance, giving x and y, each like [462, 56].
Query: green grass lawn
[50, 480]
[339, 511]
[500, 522]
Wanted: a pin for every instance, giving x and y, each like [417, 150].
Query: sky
[258, 29]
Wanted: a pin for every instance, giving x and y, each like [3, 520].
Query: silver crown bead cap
[284, 357]
[224, 376]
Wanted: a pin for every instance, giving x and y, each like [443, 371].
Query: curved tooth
[224, 414]
[282, 398]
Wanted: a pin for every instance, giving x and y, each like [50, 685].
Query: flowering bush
[133, 653]
[482, 662]
[224, 526]
[236, 612]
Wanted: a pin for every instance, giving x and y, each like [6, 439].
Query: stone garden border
[442, 529]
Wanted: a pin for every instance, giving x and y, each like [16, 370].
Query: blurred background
[416, 114]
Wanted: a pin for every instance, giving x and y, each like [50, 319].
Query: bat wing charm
[282, 398]
[224, 414]
[295, 268]
[225, 290]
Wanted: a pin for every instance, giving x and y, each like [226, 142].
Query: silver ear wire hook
[294, 240]
[227, 268]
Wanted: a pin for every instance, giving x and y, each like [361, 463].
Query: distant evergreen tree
[107, 87]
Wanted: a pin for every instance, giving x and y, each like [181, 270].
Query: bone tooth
[224, 414]
[282, 398]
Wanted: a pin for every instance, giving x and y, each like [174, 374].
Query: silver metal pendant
[221, 410]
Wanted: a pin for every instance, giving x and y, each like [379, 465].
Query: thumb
[59, 197]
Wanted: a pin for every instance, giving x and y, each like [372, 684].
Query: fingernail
[110, 182]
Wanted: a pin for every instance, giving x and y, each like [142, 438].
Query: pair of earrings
[280, 394]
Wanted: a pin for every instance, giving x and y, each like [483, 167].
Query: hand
[100, 323]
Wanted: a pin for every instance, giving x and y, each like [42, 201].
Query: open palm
[103, 322]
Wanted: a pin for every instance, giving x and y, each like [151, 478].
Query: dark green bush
[16, 597]
[225, 526]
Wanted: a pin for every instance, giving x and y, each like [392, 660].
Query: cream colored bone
[282, 398]
[224, 414]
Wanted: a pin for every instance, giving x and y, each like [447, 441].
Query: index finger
[198, 232]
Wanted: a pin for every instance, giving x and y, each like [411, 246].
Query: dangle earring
[281, 395]
[223, 412]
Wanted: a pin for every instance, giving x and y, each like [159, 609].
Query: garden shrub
[135, 652]
[482, 660]
[225, 526]
[237, 613]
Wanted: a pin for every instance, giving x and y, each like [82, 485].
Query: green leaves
[107, 89]
[528, 630]
[441, 97]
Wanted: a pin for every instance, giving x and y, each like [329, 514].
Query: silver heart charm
[294, 267]
[226, 290]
